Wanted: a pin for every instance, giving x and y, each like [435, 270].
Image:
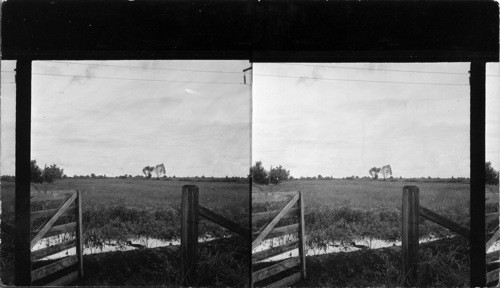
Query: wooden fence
[492, 266]
[71, 206]
[191, 210]
[410, 235]
[294, 208]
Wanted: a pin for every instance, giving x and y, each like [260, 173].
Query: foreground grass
[115, 210]
[222, 262]
[442, 263]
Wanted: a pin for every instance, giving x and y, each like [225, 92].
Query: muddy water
[108, 247]
[334, 247]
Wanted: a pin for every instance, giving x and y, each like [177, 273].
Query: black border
[259, 31]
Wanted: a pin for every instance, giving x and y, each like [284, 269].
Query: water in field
[334, 247]
[494, 247]
[111, 246]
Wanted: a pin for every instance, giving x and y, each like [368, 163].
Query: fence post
[22, 254]
[411, 208]
[189, 233]
[79, 234]
[302, 235]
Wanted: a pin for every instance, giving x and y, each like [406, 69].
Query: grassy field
[119, 209]
[345, 210]
[348, 210]
[115, 210]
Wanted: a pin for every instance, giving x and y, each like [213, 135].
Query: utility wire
[378, 69]
[369, 81]
[293, 64]
[265, 75]
[148, 68]
[136, 79]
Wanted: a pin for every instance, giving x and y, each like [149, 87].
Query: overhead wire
[137, 79]
[257, 74]
[368, 81]
[151, 68]
[379, 69]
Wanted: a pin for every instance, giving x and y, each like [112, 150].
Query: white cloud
[191, 91]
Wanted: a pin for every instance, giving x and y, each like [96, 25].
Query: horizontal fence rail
[294, 207]
[190, 213]
[445, 222]
[71, 197]
[410, 235]
[492, 258]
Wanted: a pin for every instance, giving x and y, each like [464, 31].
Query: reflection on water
[333, 247]
[132, 244]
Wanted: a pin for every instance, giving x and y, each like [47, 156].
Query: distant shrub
[36, 172]
[374, 172]
[278, 175]
[259, 174]
[52, 173]
[491, 174]
[8, 178]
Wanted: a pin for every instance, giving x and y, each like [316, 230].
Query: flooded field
[332, 247]
[131, 244]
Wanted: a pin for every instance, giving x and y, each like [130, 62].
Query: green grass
[344, 210]
[119, 209]
[442, 263]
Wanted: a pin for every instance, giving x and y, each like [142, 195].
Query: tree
[147, 171]
[52, 173]
[491, 174]
[259, 174]
[278, 175]
[374, 172]
[159, 170]
[36, 172]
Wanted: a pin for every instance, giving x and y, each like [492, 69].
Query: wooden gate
[293, 210]
[493, 235]
[51, 274]
[410, 235]
[191, 210]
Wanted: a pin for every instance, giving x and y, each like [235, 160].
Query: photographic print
[139, 172]
[249, 143]
[361, 170]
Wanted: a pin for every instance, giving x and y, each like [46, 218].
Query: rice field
[349, 210]
[118, 210]
[339, 213]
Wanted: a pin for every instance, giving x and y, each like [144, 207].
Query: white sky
[113, 126]
[339, 128]
[343, 128]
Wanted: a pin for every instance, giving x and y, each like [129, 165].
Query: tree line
[275, 175]
[279, 174]
[258, 173]
[49, 173]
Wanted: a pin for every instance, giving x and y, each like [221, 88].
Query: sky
[94, 124]
[370, 116]
[90, 117]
